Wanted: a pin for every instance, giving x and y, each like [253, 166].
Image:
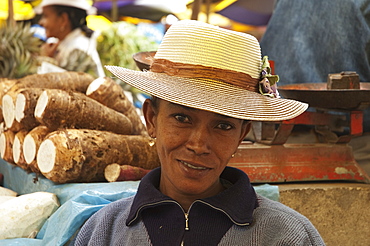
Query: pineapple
[18, 51]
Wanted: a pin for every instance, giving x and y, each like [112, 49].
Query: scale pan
[317, 95]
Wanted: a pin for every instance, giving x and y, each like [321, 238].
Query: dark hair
[76, 16]
[155, 103]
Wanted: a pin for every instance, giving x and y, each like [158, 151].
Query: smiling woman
[205, 87]
[193, 161]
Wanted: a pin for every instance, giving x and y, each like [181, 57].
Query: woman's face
[194, 146]
[53, 23]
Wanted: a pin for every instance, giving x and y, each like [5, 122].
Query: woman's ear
[149, 114]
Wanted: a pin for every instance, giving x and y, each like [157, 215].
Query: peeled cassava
[24, 215]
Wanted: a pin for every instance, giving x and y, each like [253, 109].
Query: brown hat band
[240, 79]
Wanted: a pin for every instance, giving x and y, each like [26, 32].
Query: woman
[205, 86]
[75, 49]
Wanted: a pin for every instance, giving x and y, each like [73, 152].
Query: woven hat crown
[199, 43]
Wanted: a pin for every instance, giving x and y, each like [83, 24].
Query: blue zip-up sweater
[236, 216]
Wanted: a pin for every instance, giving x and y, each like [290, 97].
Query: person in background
[204, 93]
[74, 45]
[308, 40]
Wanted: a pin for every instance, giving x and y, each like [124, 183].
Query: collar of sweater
[238, 201]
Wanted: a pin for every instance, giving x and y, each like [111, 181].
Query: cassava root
[25, 104]
[80, 155]
[31, 145]
[61, 109]
[18, 156]
[115, 172]
[106, 91]
[6, 146]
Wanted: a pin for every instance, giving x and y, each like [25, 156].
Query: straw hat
[214, 69]
[80, 4]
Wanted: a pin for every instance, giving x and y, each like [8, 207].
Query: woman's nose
[199, 140]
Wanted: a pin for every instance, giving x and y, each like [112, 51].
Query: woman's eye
[182, 118]
[224, 126]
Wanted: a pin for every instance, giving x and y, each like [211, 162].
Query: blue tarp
[78, 202]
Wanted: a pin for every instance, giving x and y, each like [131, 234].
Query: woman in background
[75, 48]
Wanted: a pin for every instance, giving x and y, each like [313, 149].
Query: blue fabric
[310, 39]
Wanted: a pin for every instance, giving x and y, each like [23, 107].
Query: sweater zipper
[186, 221]
[186, 214]
[186, 225]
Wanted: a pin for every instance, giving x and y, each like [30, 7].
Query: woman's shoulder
[75, 40]
[114, 212]
[270, 208]
[100, 227]
[118, 207]
[278, 218]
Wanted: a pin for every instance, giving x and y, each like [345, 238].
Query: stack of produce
[70, 127]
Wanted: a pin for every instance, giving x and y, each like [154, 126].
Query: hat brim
[213, 96]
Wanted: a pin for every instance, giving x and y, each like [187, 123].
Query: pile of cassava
[70, 127]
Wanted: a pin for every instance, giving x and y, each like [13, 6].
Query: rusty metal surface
[317, 95]
[292, 163]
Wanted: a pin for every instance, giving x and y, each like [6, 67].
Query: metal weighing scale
[337, 114]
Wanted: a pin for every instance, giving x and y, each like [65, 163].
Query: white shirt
[78, 40]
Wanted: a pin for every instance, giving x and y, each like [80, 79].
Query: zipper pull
[186, 222]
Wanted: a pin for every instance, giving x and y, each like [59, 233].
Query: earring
[151, 140]
[233, 155]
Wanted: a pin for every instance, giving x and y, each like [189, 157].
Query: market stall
[86, 142]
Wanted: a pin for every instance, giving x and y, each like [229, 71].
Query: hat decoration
[268, 82]
[210, 68]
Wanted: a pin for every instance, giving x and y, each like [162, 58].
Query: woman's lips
[192, 166]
